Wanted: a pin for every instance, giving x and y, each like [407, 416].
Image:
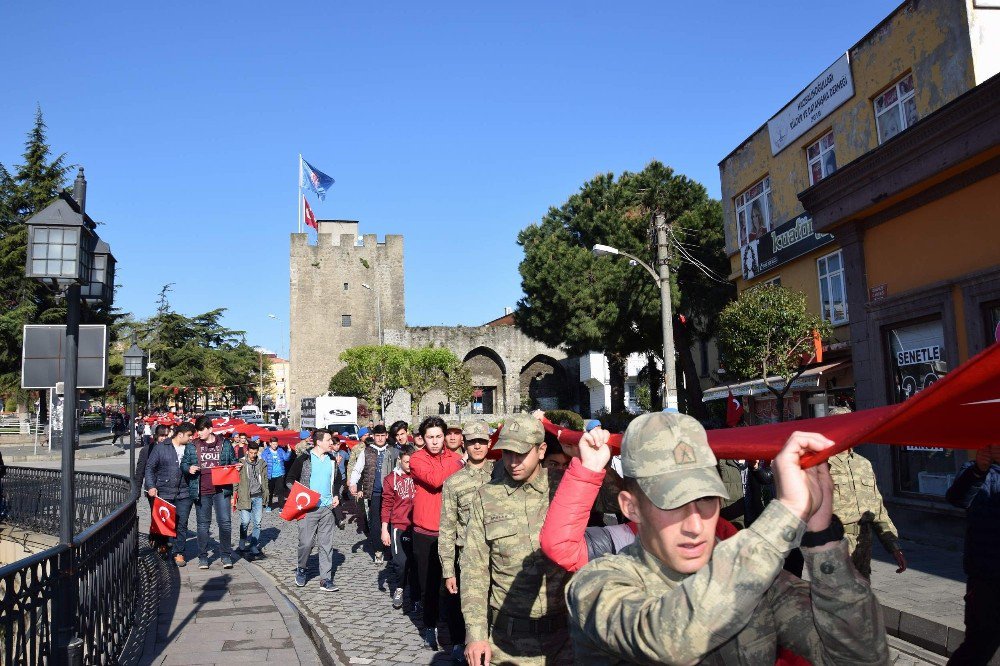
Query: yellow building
[873, 192]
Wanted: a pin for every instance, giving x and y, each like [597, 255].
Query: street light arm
[649, 269]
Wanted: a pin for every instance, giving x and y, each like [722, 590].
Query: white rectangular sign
[821, 98]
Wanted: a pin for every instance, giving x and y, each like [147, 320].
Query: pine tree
[23, 301]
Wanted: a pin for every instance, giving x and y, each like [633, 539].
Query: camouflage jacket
[631, 608]
[352, 458]
[856, 498]
[456, 504]
[502, 562]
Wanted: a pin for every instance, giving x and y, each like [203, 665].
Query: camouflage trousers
[859, 544]
[552, 649]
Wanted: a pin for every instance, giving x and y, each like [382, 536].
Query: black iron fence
[104, 565]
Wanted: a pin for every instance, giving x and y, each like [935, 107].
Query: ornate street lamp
[101, 287]
[60, 253]
[61, 242]
[135, 365]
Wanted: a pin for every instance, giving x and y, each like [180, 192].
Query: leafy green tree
[458, 386]
[583, 303]
[344, 383]
[426, 369]
[768, 333]
[32, 186]
[378, 371]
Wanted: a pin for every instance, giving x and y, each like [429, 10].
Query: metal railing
[104, 564]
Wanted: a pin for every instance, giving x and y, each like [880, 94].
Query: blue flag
[316, 180]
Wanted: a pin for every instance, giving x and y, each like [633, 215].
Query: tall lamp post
[662, 279]
[150, 366]
[135, 363]
[65, 253]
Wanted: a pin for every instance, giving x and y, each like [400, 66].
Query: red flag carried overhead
[225, 475]
[164, 519]
[310, 216]
[300, 500]
[734, 410]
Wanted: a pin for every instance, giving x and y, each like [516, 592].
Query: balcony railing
[104, 566]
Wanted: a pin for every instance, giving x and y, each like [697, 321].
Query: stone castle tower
[330, 309]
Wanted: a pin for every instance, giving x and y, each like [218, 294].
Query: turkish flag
[164, 519]
[225, 475]
[734, 410]
[300, 500]
[310, 216]
[959, 411]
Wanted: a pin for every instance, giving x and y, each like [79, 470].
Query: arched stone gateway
[489, 381]
[543, 383]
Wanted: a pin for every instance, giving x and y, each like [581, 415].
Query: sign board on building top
[821, 98]
[782, 244]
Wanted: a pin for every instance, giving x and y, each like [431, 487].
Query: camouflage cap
[476, 430]
[520, 433]
[668, 455]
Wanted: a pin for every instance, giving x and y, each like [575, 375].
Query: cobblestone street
[358, 624]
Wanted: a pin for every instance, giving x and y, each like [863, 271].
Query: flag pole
[298, 203]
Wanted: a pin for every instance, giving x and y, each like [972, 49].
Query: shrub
[565, 418]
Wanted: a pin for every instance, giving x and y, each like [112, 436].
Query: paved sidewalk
[223, 616]
[925, 604]
[94, 444]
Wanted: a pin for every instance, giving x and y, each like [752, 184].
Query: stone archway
[489, 381]
[542, 381]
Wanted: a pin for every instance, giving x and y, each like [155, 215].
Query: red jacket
[429, 473]
[397, 499]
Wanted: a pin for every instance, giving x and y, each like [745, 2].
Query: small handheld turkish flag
[164, 519]
[300, 500]
[734, 410]
[225, 475]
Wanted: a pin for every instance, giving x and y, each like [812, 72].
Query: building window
[754, 212]
[775, 281]
[822, 158]
[345, 321]
[917, 360]
[833, 303]
[895, 109]
[345, 286]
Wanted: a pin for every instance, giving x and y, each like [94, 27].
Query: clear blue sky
[453, 123]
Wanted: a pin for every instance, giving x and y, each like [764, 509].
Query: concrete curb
[309, 647]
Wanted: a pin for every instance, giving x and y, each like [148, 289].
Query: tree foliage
[32, 186]
[768, 334]
[426, 369]
[458, 386]
[377, 371]
[583, 303]
[197, 354]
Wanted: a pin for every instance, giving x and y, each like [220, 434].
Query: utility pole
[666, 310]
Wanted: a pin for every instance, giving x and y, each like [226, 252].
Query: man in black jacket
[165, 480]
[977, 490]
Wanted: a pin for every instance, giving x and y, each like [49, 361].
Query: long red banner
[960, 411]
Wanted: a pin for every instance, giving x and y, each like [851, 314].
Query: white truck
[336, 413]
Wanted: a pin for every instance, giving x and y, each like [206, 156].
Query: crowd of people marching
[500, 533]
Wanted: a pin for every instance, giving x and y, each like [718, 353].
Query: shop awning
[807, 380]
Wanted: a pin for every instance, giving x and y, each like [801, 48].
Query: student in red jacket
[397, 522]
[430, 466]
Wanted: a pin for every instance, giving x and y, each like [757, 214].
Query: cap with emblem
[520, 433]
[476, 430]
[669, 456]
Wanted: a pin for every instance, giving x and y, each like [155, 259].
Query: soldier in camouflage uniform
[456, 504]
[676, 596]
[512, 595]
[858, 504]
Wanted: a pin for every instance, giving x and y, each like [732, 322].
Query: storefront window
[917, 360]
